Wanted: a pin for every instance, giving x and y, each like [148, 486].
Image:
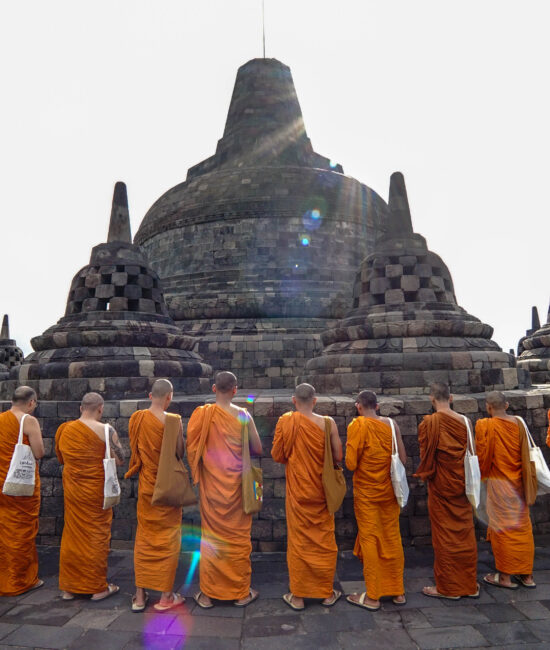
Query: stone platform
[269, 528]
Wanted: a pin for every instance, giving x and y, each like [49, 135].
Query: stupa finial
[400, 214]
[119, 225]
[5, 332]
[535, 320]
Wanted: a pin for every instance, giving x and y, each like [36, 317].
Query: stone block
[394, 296]
[394, 270]
[410, 283]
[271, 469]
[379, 286]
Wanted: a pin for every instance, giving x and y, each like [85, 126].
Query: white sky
[453, 93]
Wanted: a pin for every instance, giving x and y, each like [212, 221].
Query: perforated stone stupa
[10, 354]
[534, 351]
[406, 328]
[258, 248]
[116, 335]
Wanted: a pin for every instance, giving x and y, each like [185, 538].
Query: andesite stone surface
[534, 351]
[10, 354]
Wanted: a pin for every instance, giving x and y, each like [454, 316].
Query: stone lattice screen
[269, 529]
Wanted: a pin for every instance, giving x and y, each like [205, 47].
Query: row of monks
[214, 452]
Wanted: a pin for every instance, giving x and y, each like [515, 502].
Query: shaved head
[225, 382]
[496, 399]
[367, 399]
[304, 393]
[91, 402]
[440, 391]
[23, 395]
[161, 388]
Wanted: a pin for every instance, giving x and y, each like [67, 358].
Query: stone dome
[10, 354]
[534, 350]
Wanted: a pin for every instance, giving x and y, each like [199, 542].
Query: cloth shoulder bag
[397, 472]
[541, 468]
[111, 486]
[172, 485]
[252, 477]
[20, 477]
[472, 473]
[334, 482]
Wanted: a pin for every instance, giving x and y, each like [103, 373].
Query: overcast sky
[454, 94]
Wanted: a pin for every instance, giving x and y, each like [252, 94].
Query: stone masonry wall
[269, 528]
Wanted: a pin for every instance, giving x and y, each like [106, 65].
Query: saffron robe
[442, 440]
[158, 534]
[87, 529]
[510, 532]
[311, 545]
[548, 433]
[18, 520]
[378, 544]
[214, 449]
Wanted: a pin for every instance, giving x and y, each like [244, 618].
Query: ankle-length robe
[378, 544]
[510, 532]
[18, 520]
[158, 534]
[87, 528]
[442, 440]
[311, 545]
[214, 448]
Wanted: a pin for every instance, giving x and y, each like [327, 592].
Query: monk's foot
[139, 601]
[243, 602]
[527, 581]
[294, 602]
[66, 595]
[399, 600]
[111, 589]
[169, 602]
[433, 593]
[203, 600]
[498, 579]
[333, 599]
[362, 600]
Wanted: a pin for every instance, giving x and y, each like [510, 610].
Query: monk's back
[305, 464]
[83, 452]
[148, 430]
[507, 448]
[372, 475]
[451, 449]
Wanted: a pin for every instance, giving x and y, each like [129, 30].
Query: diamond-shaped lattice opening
[105, 278]
[133, 305]
[410, 296]
[119, 292]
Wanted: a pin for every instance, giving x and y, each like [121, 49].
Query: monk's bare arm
[116, 447]
[400, 446]
[254, 439]
[180, 446]
[335, 442]
[32, 429]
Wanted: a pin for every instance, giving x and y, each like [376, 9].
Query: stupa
[258, 248]
[406, 328]
[116, 336]
[534, 351]
[10, 354]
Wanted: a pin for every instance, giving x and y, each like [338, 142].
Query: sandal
[333, 599]
[139, 608]
[197, 599]
[252, 596]
[39, 583]
[399, 602]
[177, 600]
[288, 600]
[361, 602]
[476, 595]
[527, 585]
[67, 596]
[494, 580]
[436, 594]
[111, 589]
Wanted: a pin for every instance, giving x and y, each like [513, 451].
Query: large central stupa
[258, 248]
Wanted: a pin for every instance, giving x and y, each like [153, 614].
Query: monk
[19, 515]
[158, 534]
[548, 433]
[499, 440]
[214, 448]
[442, 438]
[378, 544]
[311, 554]
[80, 447]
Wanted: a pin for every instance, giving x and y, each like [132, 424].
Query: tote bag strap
[107, 443]
[328, 446]
[470, 443]
[393, 438]
[20, 438]
[244, 438]
[529, 436]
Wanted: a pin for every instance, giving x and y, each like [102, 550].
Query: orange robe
[442, 440]
[214, 449]
[87, 529]
[510, 531]
[311, 547]
[18, 520]
[378, 544]
[548, 433]
[158, 534]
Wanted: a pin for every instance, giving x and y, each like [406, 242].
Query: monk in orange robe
[442, 438]
[158, 534]
[214, 448]
[498, 443]
[378, 545]
[548, 433]
[19, 515]
[80, 447]
[311, 545]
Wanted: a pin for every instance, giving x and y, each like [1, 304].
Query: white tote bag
[472, 473]
[397, 472]
[111, 487]
[535, 454]
[20, 477]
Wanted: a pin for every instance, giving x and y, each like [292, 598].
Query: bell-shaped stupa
[534, 350]
[116, 336]
[406, 328]
[10, 355]
[258, 248]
